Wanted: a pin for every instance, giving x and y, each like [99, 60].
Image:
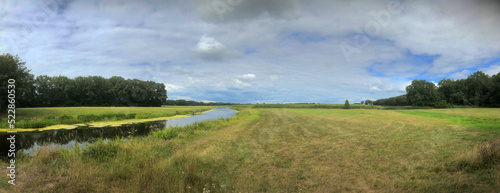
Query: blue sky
[256, 51]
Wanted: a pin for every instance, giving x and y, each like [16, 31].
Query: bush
[166, 134]
[101, 151]
[347, 105]
[66, 119]
[131, 116]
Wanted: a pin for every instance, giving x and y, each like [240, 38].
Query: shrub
[101, 151]
[131, 116]
[66, 119]
[166, 133]
[347, 106]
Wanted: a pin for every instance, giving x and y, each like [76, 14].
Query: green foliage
[401, 100]
[101, 150]
[167, 133]
[422, 93]
[12, 67]
[66, 119]
[478, 90]
[346, 104]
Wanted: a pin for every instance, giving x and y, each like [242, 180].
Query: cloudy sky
[257, 50]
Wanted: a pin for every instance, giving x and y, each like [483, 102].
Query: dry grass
[283, 150]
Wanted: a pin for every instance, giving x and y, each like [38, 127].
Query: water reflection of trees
[80, 134]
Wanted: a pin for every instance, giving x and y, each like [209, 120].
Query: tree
[347, 106]
[422, 93]
[11, 67]
[362, 102]
[479, 88]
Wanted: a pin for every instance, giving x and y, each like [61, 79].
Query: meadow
[286, 150]
[43, 117]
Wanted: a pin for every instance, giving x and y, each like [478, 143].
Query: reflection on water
[29, 142]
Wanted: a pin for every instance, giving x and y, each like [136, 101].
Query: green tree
[479, 88]
[422, 93]
[346, 105]
[11, 67]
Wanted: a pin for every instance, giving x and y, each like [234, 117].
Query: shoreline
[97, 124]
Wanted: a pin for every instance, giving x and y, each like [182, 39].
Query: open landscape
[204, 96]
[292, 150]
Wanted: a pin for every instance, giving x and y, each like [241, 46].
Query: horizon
[257, 51]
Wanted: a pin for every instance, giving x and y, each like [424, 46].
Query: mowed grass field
[288, 150]
[42, 117]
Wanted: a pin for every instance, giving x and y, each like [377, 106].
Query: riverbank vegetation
[287, 150]
[43, 117]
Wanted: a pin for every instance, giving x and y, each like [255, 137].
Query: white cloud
[460, 75]
[491, 70]
[246, 77]
[210, 49]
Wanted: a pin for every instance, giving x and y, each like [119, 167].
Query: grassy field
[314, 106]
[43, 117]
[287, 150]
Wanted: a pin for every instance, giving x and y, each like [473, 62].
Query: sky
[257, 51]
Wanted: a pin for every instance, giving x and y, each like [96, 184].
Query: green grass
[285, 150]
[464, 118]
[43, 117]
[314, 106]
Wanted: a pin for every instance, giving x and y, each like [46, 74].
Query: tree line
[182, 102]
[61, 91]
[478, 90]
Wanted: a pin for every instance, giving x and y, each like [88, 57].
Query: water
[30, 142]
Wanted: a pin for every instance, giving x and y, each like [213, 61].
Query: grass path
[283, 150]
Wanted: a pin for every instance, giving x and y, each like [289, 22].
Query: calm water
[29, 142]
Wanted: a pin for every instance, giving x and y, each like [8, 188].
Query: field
[43, 117]
[287, 150]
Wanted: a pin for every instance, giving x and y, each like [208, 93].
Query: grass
[314, 106]
[43, 117]
[283, 150]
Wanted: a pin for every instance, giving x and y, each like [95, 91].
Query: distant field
[314, 106]
[288, 150]
[42, 117]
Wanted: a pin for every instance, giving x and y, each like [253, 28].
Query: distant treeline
[478, 89]
[61, 91]
[182, 102]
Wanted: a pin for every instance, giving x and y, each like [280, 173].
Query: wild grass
[281, 150]
[314, 106]
[43, 117]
